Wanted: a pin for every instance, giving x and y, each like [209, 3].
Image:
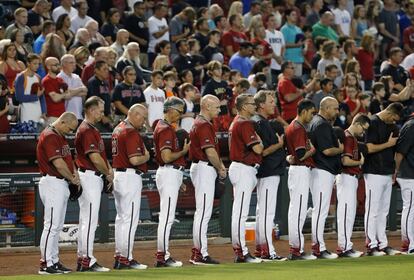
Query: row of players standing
[258, 159]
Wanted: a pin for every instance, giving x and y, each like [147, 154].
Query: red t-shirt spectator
[289, 109]
[366, 61]
[50, 84]
[352, 105]
[232, 38]
[408, 36]
[267, 47]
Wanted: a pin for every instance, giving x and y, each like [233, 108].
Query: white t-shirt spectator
[30, 111]
[343, 19]
[187, 122]
[155, 25]
[57, 12]
[77, 22]
[155, 100]
[408, 62]
[74, 104]
[276, 40]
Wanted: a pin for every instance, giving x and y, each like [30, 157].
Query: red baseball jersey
[165, 138]
[88, 140]
[202, 136]
[127, 143]
[351, 150]
[242, 137]
[51, 146]
[296, 139]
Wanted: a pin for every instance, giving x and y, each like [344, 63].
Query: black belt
[137, 171]
[97, 173]
[59, 177]
[255, 165]
[208, 163]
[310, 167]
[180, 168]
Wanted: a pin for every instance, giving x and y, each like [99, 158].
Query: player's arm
[99, 163]
[375, 148]
[258, 148]
[330, 152]
[138, 160]
[348, 161]
[398, 158]
[63, 170]
[274, 147]
[169, 156]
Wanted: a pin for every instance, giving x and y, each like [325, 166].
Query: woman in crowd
[17, 38]
[329, 56]
[366, 57]
[63, 30]
[112, 26]
[359, 24]
[10, 66]
[81, 56]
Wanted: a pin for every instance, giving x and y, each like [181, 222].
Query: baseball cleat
[207, 260]
[61, 267]
[170, 262]
[133, 264]
[410, 252]
[247, 259]
[273, 258]
[351, 254]
[374, 252]
[49, 270]
[390, 251]
[96, 267]
[301, 257]
[327, 255]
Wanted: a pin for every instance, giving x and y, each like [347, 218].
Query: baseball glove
[75, 192]
[107, 186]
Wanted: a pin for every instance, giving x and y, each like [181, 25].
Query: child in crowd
[170, 81]
[187, 92]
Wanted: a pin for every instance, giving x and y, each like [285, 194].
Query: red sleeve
[206, 137]
[53, 149]
[406, 36]
[348, 147]
[90, 143]
[134, 144]
[47, 84]
[286, 88]
[165, 139]
[248, 134]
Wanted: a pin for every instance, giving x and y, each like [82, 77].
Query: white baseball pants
[89, 203]
[54, 194]
[243, 178]
[299, 183]
[321, 189]
[265, 212]
[377, 205]
[127, 194]
[203, 177]
[407, 215]
[346, 192]
[168, 182]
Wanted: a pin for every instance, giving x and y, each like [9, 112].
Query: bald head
[329, 108]
[68, 117]
[137, 115]
[51, 61]
[208, 100]
[122, 36]
[66, 123]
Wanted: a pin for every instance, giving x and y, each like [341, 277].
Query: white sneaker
[351, 254]
[133, 264]
[374, 252]
[170, 262]
[391, 251]
[327, 255]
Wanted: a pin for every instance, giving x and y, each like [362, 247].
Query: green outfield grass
[394, 268]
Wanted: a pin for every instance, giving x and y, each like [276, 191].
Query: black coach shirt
[380, 163]
[138, 27]
[274, 163]
[405, 146]
[323, 137]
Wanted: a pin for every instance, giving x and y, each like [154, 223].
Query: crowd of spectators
[56, 53]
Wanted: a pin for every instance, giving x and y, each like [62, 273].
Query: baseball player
[272, 166]
[57, 169]
[327, 160]
[347, 185]
[245, 153]
[404, 162]
[300, 178]
[379, 168]
[92, 163]
[169, 176]
[129, 157]
[206, 165]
